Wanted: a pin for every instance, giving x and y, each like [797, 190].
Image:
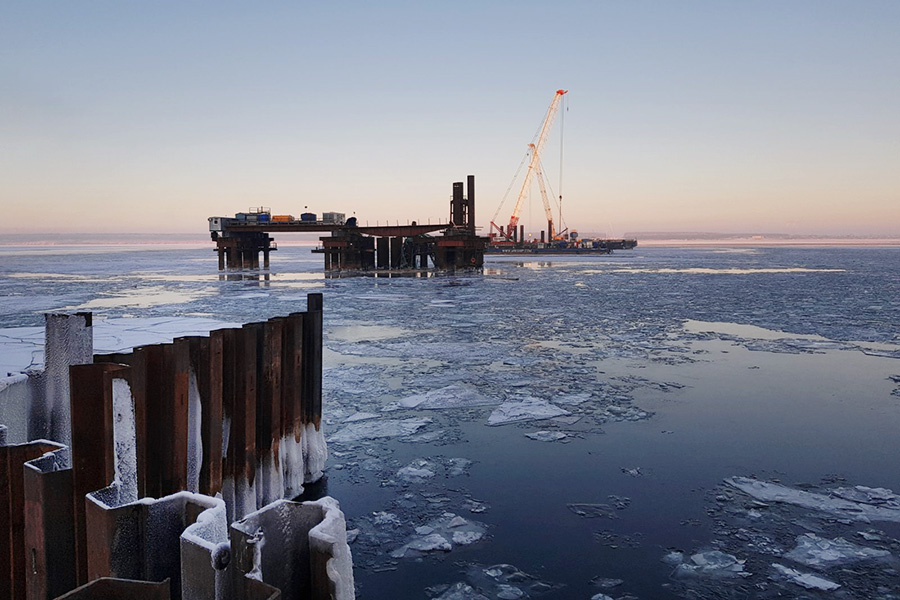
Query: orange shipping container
[282, 218]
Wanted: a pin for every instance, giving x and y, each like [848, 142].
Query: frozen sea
[656, 423]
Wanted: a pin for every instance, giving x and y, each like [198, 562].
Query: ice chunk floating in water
[713, 563]
[819, 553]
[529, 409]
[452, 396]
[807, 580]
[441, 535]
[371, 430]
[870, 504]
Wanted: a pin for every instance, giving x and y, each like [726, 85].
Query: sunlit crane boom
[534, 168]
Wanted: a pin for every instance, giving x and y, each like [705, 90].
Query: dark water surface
[670, 393]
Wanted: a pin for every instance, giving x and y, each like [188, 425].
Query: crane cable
[562, 131]
[521, 164]
[511, 183]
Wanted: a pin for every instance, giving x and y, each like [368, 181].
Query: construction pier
[353, 248]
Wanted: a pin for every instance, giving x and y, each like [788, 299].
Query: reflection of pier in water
[362, 249]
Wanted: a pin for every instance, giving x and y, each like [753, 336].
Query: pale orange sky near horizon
[766, 117]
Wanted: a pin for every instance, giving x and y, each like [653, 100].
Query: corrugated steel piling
[15, 560]
[153, 423]
[49, 535]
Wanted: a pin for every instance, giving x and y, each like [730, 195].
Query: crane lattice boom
[534, 168]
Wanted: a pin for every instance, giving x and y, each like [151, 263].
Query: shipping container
[335, 218]
[282, 218]
[308, 217]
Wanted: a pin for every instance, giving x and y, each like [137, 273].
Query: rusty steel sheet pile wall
[164, 447]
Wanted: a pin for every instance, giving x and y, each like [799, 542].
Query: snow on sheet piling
[294, 545]
[69, 341]
[125, 440]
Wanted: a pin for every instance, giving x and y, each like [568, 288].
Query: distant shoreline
[655, 240]
[743, 242]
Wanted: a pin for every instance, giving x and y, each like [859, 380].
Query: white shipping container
[333, 217]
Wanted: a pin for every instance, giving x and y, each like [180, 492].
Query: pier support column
[266, 259]
[382, 253]
[221, 253]
[396, 252]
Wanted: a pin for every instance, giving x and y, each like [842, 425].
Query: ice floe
[441, 535]
[820, 553]
[452, 396]
[370, 430]
[461, 591]
[547, 436]
[501, 582]
[527, 409]
[361, 416]
[809, 581]
[416, 471]
[869, 504]
[712, 563]
[591, 511]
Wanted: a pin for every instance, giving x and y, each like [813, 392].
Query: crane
[534, 168]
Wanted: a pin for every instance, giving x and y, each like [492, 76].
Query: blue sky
[681, 116]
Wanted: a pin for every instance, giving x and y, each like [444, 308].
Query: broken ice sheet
[370, 430]
[527, 409]
[573, 399]
[546, 436]
[423, 469]
[820, 553]
[441, 535]
[503, 582]
[872, 504]
[617, 414]
[416, 471]
[360, 416]
[713, 563]
[461, 591]
[607, 582]
[451, 396]
[593, 511]
[809, 581]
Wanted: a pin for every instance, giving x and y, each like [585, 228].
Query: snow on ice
[527, 409]
[860, 503]
[821, 553]
[809, 581]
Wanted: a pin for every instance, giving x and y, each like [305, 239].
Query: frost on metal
[295, 547]
[154, 539]
[125, 440]
[150, 454]
[34, 404]
[69, 341]
[17, 393]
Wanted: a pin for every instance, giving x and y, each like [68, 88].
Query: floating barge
[585, 246]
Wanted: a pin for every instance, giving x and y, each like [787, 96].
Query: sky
[721, 116]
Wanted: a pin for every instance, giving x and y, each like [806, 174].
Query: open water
[564, 428]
